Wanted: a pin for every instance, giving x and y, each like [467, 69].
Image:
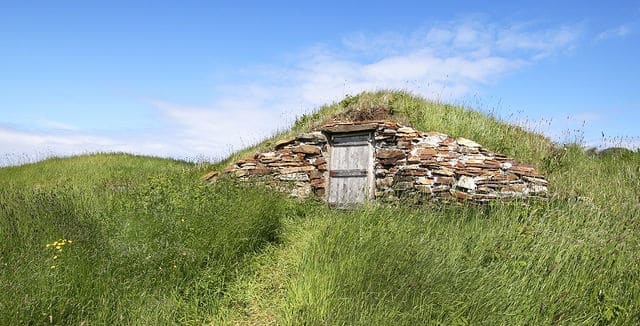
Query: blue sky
[199, 79]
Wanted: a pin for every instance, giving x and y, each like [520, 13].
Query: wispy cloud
[57, 125]
[13, 139]
[446, 60]
[587, 117]
[617, 32]
[474, 37]
[230, 125]
[19, 146]
[632, 143]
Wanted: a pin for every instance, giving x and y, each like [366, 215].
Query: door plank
[349, 173]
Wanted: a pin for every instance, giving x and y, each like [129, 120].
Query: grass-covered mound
[152, 244]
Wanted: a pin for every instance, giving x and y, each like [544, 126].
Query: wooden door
[350, 169]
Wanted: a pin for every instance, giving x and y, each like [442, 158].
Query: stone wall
[440, 166]
[424, 165]
[297, 165]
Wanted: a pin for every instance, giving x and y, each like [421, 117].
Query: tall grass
[543, 263]
[154, 249]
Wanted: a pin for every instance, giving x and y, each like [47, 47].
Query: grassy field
[143, 241]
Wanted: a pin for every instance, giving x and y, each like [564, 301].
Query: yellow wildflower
[53, 266]
[55, 257]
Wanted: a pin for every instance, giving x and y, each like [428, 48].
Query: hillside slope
[150, 243]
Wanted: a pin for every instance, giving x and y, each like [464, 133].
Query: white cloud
[23, 146]
[230, 125]
[620, 31]
[57, 125]
[16, 139]
[540, 43]
[587, 117]
[444, 61]
[19, 146]
[632, 143]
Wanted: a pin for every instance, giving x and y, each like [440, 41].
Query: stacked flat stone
[296, 165]
[442, 167]
[428, 165]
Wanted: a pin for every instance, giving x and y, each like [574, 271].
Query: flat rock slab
[306, 149]
[349, 128]
[390, 153]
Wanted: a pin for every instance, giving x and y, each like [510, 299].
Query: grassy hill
[144, 241]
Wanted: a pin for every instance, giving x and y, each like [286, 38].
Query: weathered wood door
[350, 169]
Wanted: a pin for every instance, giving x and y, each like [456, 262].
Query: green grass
[499, 265]
[153, 244]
